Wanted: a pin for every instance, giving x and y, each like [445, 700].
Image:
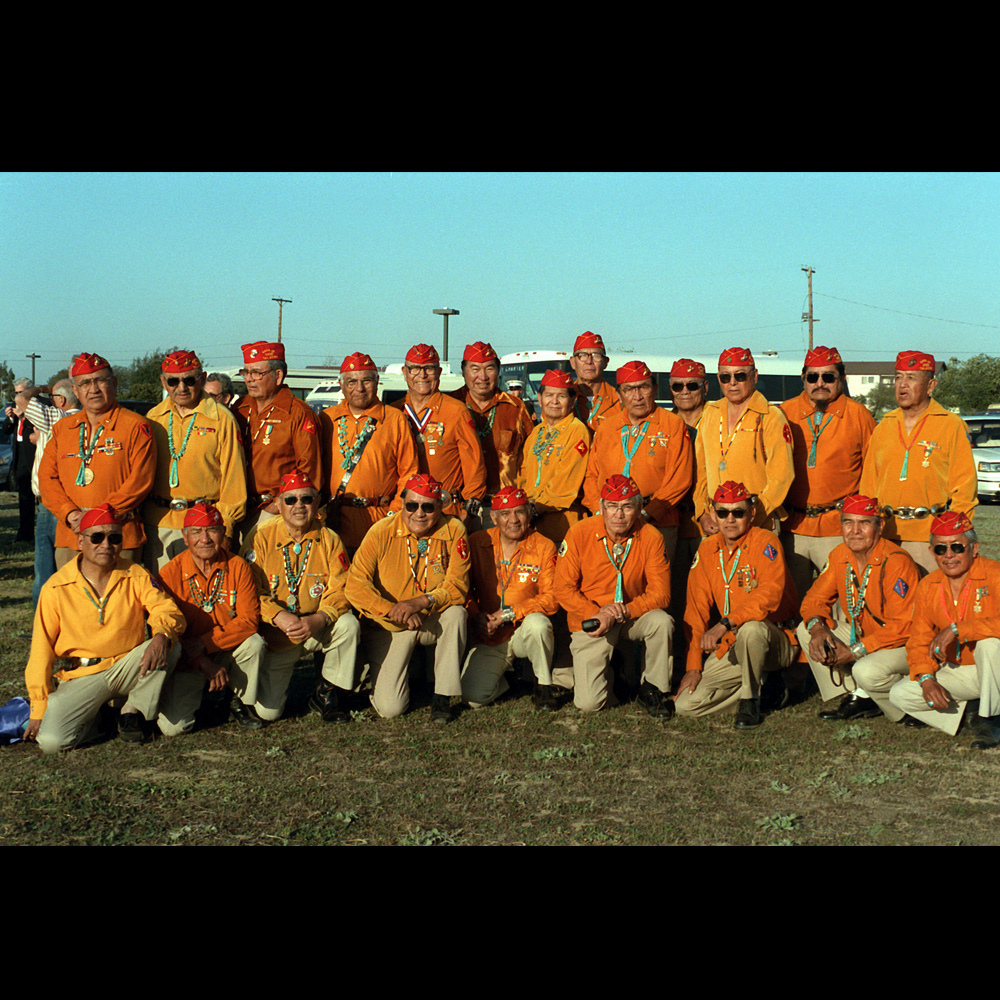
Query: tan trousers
[921, 554]
[592, 658]
[803, 555]
[483, 678]
[183, 691]
[736, 676]
[389, 653]
[964, 683]
[162, 544]
[73, 706]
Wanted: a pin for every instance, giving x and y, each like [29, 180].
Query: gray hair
[224, 380]
[22, 383]
[64, 387]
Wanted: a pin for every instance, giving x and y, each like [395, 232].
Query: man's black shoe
[326, 702]
[986, 732]
[441, 708]
[245, 715]
[852, 706]
[652, 700]
[748, 716]
[545, 697]
[131, 727]
[913, 723]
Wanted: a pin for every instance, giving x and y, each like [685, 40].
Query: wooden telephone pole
[809, 315]
[280, 302]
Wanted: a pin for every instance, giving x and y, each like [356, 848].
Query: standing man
[448, 448]
[613, 579]
[280, 433]
[647, 444]
[595, 399]
[219, 386]
[20, 429]
[103, 455]
[874, 581]
[830, 434]
[919, 463]
[368, 453]
[410, 581]
[741, 605]
[198, 458]
[742, 434]
[954, 644]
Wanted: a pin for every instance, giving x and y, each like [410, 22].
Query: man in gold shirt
[198, 457]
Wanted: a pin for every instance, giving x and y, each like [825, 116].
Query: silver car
[984, 433]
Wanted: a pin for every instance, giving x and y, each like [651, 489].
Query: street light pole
[446, 313]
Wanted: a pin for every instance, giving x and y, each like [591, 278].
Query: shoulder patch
[309, 426]
[562, 548]
[581, 447]
[155, 583]
[694, 562]
[771, 552]
[786, 434]
[462, 548]
[900, 587]
[344, 561]
[145, 429]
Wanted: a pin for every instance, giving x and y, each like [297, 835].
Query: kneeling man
[92, 614]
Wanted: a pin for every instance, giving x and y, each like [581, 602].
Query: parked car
[984, 433]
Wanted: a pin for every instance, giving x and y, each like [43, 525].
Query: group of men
[452, 521]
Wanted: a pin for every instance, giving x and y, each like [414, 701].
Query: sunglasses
[412, 507]
[188, 380]
[739, 513]
[940, 550]
[681, 386]
[97, 537]
[739, 376]
[828, 377]
[292, 501]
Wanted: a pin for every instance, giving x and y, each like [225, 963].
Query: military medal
[928, 447]
[907, 447]
[316, 590]
[88, 477]
[85, 476]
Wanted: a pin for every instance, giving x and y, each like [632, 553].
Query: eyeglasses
[588, 357]
[423, 369]
[306, 498]
[739, 513]
[958, 547]
[412, 507]
[98, 380]
[189, 380]
[681, 386]
[828, 377]
[97, 537]
[724, 377]
[252, 375]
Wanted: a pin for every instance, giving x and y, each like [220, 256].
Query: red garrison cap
[508, 498]
[620, 488]
[358, 362]
[951, 522]
[261, 350]
[105, 514]
[730, 492]
[295, 480]
[180, 362]
[203, 515]
[589, 342]
[87, 364]
[633, 371]
[554, 378]
[479, 353]
[914, 361]
[425, 485]
[860, 504]
[736, 356]
[423, 354]
[686, 368]
[820, 357]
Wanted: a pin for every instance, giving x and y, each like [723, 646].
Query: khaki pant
[73, 706]
[389, 653]
[592, 658]
[964, 683]
[483, 678]
[803, 555]
[760, 647]
[182, 693]
[162, 544]
[921, 554]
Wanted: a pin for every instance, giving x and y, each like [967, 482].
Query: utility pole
[809, 315]
[446, 313]
[280, 302]
[32, 356]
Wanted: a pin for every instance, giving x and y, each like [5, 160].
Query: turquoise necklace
[352, 455]
[85, 476]
[176, 456]
[293, 578]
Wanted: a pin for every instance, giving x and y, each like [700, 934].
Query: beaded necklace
[615, 553]
[176, 456]
[293, 578]
[207, 602]
[726, 579]
[907, 447]
[544, 443]
[421, 553]
[100, 604]
[352, 455]
[84, 477]
[723, 451]
[629, 431]
[855, 605]
[816, 429]
[484, 432]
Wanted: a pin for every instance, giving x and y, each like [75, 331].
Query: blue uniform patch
[771, 552]
[901, 588]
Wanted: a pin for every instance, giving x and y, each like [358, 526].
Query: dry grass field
[503, 775]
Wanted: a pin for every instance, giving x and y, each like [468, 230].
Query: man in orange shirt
[741, 604]
[875, 582]
[510, 604]
[613, 579]
[280, 432]
[919, 461]
[92, 615]
[448, 448]
[830, 434]
[221, 648]
[595, 399]
[102, 455]
[369, 453]
[648, 444]
[410, 581]
[954, 644]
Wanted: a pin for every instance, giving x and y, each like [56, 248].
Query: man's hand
[155, 656]
[73, 519]
[407, 613]
[709, 525]
[711, 639]
[483, 624]
[292, 625]
[689, 682]
[944, 644]
[609, 616]
[31, 733]
[217, 676]
[934, 694]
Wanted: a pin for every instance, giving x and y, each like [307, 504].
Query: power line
[901, 312]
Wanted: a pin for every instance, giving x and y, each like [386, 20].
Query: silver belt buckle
[178, 505]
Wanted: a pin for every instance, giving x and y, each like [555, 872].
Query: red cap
[633, 371]
[859, 504]
[820, 357]
[358, 362]
[508, 498]
[589, 342]
[295, 480]
[425, 485]
[951, 522]
[179, 362]
[555, 378]
[736, 356]
[261, 350]
[730, 492]
[686, 368]
[423, 354]
[479, 353]
[620, 488]
[87, 364]
[203, 515]
[105, 514]
[914, 361]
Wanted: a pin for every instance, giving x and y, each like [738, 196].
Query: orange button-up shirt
[586, 577]
[503, 426]
[594, 407]
[884, 622]
[845, 429]
[977, 614]
[554, 464]
[123, 464]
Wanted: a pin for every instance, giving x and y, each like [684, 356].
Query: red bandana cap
[105, 514]
[203, 515]
[423, 354]
[358, 362]
[261, 350]
[508, 498]
[556, 379]
[859, 504]
[180, 362]
[87, 364]
[736, 356]
[951, 522]
[730, 492]
[620, 488]
[295, 480]
[479, 353]
[424, 485]
[589, 342]
[634, 371]
[914, 361]
[686, 368]
[820, 357]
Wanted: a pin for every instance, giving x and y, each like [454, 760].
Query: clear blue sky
[123, 264]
